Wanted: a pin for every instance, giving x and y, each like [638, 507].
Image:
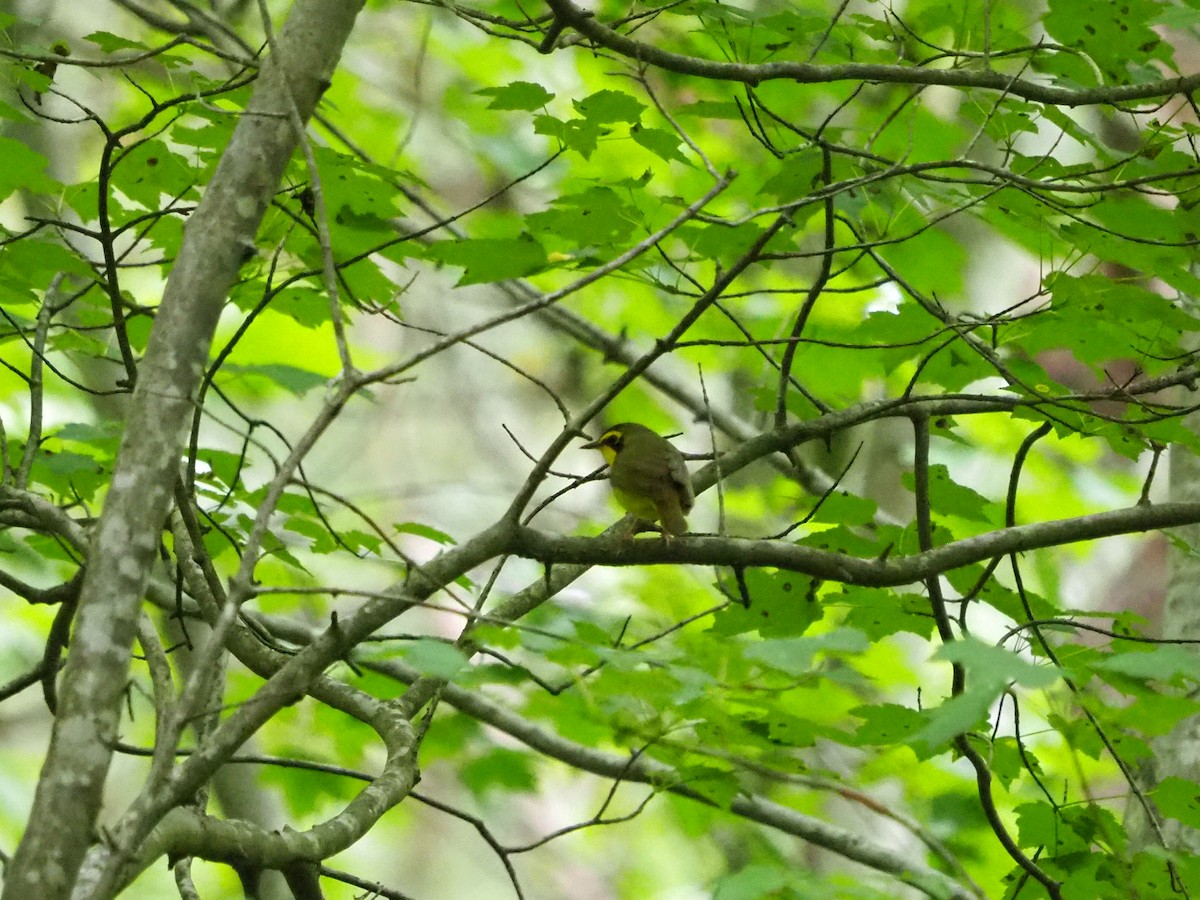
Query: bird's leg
[637, 525]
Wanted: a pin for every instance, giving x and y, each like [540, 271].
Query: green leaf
[884, 539]
[1163, 663]
[355, 191]
[795, 655]
[1098, 320]
[426, 531]
[94, 433]
[579, 135]
[663, 144]
[319, 539]
[305, 792]
[220, 464]
[1009, 761]
[1000, 597]
[960, 714]
[306, 306]
[607, 106]
[996, 665]
[295, 380]
[932, 259]
[65, 464]
[500, 769]
[521, 95]
[151, 173]
[886, 724]
[880, 613]
[712, 109]
[1178, 798]
[1151, 713]
[725, 242]
[23, 169]
[491, 259]
[844, 508]
[69, 474]
[715, 785]
[1037, 824]
[797, 176]
[989, 671]
[595, 217]
[753, 883]
[434, 658]
[949, 498]
[1117, 37]
[781, 604]
[110, 43]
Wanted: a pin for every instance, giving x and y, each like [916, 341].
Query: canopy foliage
[291, 418]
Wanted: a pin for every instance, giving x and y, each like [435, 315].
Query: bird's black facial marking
[613, 439]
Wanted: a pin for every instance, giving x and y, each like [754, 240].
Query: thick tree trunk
[219, 235]
[1176, 753]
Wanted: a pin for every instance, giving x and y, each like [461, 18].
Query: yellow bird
[648, 474]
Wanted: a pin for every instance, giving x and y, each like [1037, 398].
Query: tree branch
[746, 552]
[569, 14]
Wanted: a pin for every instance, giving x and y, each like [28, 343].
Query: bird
[648, 474]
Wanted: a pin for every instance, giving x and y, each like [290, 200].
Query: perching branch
[830, 566]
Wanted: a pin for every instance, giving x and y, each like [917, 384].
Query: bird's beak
[592, 445]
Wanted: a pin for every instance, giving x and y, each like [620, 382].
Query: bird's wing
[677, 470]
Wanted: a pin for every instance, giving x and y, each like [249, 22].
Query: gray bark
[218, 236]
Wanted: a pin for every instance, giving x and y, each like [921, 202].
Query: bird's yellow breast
[640, 505]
